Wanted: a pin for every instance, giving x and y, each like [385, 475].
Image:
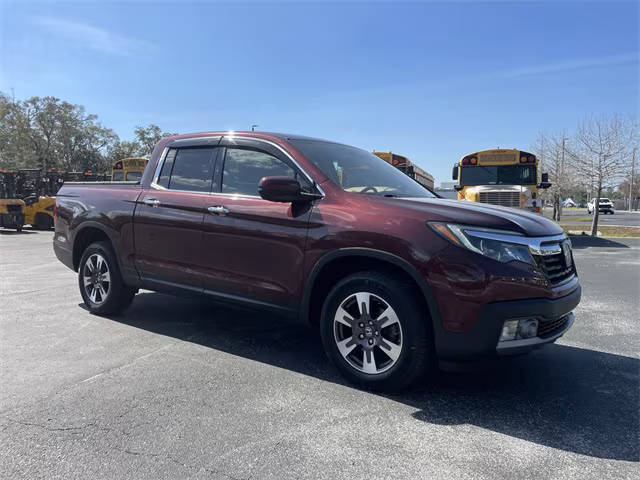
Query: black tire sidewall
[416, 351]
[119, 293]
[43, 221]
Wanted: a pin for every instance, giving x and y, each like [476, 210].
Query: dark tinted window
[165, 174]
[498, 175]
[243, 170]
[192, 170]
[117, 177]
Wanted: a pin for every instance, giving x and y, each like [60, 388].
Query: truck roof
[247, 133]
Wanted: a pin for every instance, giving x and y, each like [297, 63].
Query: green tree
[148, 137]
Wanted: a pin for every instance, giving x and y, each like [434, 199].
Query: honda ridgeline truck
[395, 277]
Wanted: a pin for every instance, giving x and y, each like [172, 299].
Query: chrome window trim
[156, 174]
[154, 182]
[542, 246]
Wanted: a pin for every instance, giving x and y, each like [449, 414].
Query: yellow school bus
[405, 165]
[506, 177]
[128, 169]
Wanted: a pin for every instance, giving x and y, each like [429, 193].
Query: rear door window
[189, 169]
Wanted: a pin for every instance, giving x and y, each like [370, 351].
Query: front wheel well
[343, 266]
[83, 239]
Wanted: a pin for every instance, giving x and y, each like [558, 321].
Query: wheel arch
[340, 263]
[85, 236]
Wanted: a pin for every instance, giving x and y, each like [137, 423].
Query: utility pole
[562, 172]
[633, 173]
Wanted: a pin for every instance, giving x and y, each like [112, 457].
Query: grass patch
[605, 231]
[578, 219]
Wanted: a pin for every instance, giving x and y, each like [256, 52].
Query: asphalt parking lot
[182, 388]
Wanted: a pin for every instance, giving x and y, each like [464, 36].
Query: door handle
[218, 210]
[152, 202]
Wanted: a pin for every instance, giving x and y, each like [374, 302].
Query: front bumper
[482, 341]
[514, 347]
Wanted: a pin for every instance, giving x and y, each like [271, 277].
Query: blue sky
[430, 80]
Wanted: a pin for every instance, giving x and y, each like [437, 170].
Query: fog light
[509, 330]
[528, 328]
[518, 329]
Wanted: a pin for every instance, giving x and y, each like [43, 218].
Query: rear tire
[43, 222]
[357, 338]
[101, 285]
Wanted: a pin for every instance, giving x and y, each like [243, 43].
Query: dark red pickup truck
[395, 277]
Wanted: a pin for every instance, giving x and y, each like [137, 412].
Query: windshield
[134, 176]
[358, 171]
[498, 175]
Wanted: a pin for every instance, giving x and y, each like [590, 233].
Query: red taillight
[469, 161]
[473, 160]
[523, 159]
[531, 159]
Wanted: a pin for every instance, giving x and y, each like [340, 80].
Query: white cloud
[94, 38]
[565, 66]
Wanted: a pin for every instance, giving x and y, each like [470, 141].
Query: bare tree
[601, 153]
[554, 156]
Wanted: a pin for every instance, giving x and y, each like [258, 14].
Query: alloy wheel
[96, 278]
[368, 333]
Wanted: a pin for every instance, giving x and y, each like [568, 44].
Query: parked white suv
[605, 206]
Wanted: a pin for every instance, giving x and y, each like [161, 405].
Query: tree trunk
[557, 207]
[633, 168]
[596, 211]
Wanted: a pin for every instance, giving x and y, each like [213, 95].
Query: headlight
[479, 240]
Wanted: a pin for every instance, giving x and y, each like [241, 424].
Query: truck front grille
[555, 267]
[549, 327]
[505, 199]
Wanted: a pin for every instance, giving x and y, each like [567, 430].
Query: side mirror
[544, 184]
[454, 172]
[283, 189]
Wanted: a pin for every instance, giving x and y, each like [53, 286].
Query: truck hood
[482, 215]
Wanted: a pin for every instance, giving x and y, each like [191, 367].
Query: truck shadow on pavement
[573, 399]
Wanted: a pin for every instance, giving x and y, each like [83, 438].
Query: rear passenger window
[188, 169]
[243, 170]
[165, 173]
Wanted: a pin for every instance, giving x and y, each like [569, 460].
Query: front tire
[101, 285]
[376, 333]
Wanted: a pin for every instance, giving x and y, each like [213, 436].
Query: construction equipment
[12, 209]
[37, 190]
